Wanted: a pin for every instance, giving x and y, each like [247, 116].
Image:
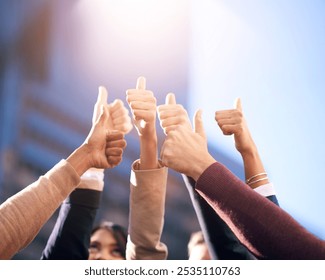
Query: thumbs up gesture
[172, 115]
[106, 139]
[232, 122]
[103, 148]
[184, 150]
[119, 118]
[143, 107]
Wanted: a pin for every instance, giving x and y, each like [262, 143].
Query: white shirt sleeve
[92, 179]
[265, 190]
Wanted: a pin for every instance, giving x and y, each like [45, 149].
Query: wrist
[200, 167]
[254, 170]
[148, 137]
[148, 134]
[250, 152]
[148, 131]
[148, 152]
[79, 159]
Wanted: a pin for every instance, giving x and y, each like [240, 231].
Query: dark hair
[118, 232]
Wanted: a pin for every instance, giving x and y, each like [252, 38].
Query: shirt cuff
[92, 179]
[265, 190]
[136, 172]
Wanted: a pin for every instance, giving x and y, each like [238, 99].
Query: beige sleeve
[23, 215]
[146, 218]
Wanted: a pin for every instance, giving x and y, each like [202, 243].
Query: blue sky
[271, 54]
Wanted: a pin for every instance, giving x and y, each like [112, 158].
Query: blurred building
[53, 57]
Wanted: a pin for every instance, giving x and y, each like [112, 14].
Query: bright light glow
[132, 19]
[129, 35]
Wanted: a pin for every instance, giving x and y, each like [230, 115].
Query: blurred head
[197, 248]
[107, 242]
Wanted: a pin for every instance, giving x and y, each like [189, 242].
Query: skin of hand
[185, 150]
[119, 120]
[101, 149]
[172, 115]
[119, 115]
[232, 122]
[142, 103]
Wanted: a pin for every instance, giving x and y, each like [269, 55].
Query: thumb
[102, 114]
[141, 83]
[170, 99]
[101, 101]
[102, 96]
[198, 123]
[238, 104]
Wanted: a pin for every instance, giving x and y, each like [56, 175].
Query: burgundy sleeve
[264, 228]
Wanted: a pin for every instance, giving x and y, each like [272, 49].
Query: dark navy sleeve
[70, 237]
[273, 199]
[221, 241]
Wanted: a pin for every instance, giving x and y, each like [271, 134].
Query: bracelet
[258, 180]
[254, 176]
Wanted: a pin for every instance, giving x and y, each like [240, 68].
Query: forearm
[73, 227]
[148, 150]
[76, 218]
[269, 232]
[221, 241]
[253, 166]
[23, 215]
[147, 208]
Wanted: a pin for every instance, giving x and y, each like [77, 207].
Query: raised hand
[143, 107]
[105, 146]
[172, 115]
[119, 118]
[185, 150]
[232, 122]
